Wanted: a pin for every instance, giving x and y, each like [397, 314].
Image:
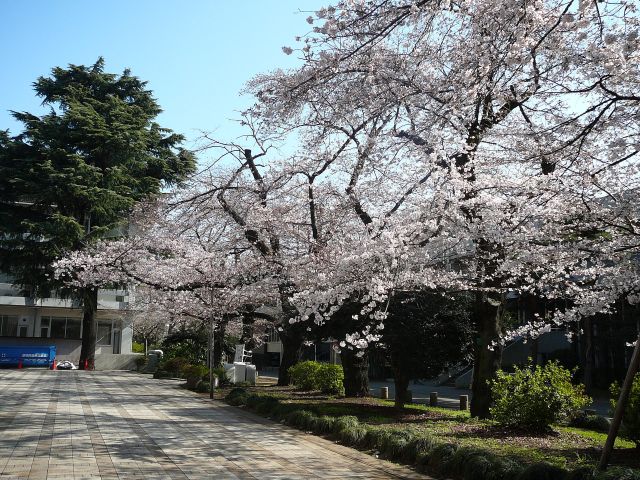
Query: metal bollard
[464, 402]
[384, 393]
[433, 399]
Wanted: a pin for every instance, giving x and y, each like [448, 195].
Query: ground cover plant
[438, 440]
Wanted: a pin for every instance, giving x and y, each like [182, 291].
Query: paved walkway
[118, 425]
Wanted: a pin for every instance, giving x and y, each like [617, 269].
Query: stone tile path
[116, 425]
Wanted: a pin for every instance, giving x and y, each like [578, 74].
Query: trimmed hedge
[438, 458]
[311, 375]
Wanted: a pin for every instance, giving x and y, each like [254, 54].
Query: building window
[74, 326]
[8, 325]
[57, 327]
[104, 333]
[60, 327]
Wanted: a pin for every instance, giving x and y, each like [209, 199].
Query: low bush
[597, 423]
[618, 473]
[418, 448]
[237, 397]
[631, 419]
[330, 379]
[303, 419]
[194, 374]
[220, 374]
[203, 387]
[311, 375]
[536, 397]
[353, 436]
[141, 362]
[543, 471]
[393, 444]
[375, 437]
[267, 406]
[324, 424]
[504, 469]
[304, 375]
[441, 455]
[175, 366]
[345, 421]
[582, 473]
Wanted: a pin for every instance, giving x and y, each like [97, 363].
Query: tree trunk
[89, 328]
[356, 373]
[292, 339]
[218, 344]
[401, 382]
[488, 311]
[588, 356]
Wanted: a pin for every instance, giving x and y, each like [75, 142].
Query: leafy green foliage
[597, 423]
[631, 419]
[175, 366]
[304, 375]
[535, 398]
[330, 379]
[137, 347]
[310, 375]
[75, 173]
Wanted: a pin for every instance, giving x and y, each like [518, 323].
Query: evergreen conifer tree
[73, 175]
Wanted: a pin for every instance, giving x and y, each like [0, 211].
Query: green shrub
[268, 405]
[618, 473]
[303, 419]
[597, 423]
[203, 387]
[441, 455]
[304, 375]
[393, 445]
[137, 347]
[175, 366]
[418, 449]
[375, 437]
[329, 379]
[237, 397]
[543, 471]
[535, 398]
[353, 435]
[283, 409]
[194, 374]
[582, 473]
[631, 419]
[141, 362]
[324, 424]
[345, 421]
[220, 374]
[311, 375]
[504, 469]
[470, 463]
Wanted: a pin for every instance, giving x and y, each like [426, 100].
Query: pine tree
[75, 173]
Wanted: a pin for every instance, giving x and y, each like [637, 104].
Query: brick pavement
[119, 425]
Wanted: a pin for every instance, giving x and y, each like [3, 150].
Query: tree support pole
[620, 406]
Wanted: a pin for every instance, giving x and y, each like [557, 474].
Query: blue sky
[195, 54]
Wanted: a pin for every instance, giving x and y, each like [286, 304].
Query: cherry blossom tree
[478, 143]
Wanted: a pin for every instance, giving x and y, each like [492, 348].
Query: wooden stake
[620, 406]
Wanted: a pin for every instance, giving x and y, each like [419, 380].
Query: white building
[56, 321]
